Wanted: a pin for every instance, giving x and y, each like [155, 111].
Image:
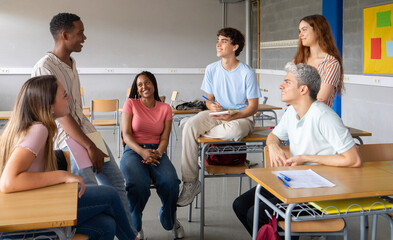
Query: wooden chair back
[266, 155]
[376, 152]
[111, 105]
[174, 95]
[128, 92]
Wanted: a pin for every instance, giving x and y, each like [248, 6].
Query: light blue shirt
[231, 88]
[320, 131]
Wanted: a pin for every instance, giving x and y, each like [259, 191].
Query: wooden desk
[176, 118]
[373, 179]
[266, 108]
[357, 133]
[49, 208]
[5, 115]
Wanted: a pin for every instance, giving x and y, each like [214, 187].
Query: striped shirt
[330, 71]
[51, 65]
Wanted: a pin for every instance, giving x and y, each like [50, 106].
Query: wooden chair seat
[326, 225]
[104, 122]
[225, 169]
[80, 236]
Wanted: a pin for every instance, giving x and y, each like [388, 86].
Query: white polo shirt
[320, 131]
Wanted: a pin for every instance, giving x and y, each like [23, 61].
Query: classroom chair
[380, 153]
[254, 144]
[325, 227]
[107, 106]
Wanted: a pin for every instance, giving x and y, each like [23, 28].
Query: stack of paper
[305, 179]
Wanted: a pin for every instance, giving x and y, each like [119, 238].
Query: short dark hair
[306, 75]
[236, 38]
[134, 88]
[62, 22]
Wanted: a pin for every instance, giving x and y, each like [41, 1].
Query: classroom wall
[181, 33]
[120, 34]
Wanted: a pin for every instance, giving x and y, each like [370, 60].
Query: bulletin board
[378, 39]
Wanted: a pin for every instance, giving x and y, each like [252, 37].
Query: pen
[208, 100]
[282, 180]
[285, 177]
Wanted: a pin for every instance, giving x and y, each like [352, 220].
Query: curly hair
[236, 38]
[62, 22]
[134, 88]
[326, 41]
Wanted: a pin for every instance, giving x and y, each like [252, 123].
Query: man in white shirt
[68, 32]
[316, 134]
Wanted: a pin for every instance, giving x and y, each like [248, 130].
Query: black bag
[225, 159]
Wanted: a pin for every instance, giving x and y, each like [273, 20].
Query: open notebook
[358, 204]
[79, 153]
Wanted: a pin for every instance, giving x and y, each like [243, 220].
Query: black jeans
[244, 208]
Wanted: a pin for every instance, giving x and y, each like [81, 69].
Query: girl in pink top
[317, 48]
[146, 125]
[27, 160]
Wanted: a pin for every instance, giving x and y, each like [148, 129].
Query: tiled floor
[221, 222]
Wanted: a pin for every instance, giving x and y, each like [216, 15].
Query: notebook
[358, 205]
[79, 153]
[227, 112]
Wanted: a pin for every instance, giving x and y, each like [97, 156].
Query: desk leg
[362, 227]
[256, 213]
[202, 236]
[275, 116]
[288, 219]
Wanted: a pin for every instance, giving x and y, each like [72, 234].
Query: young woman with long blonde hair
[27, 160]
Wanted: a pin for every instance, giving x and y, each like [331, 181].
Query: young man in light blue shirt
[229, 85]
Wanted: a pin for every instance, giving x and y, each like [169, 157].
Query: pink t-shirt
[35, 141]
[147, 123]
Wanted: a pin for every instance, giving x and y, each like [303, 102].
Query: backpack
[225, 159]
[269, 231]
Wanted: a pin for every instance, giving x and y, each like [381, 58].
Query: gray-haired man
[316, 134]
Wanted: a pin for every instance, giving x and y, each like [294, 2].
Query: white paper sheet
[305, 179]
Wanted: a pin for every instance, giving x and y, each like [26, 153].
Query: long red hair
[325, 40]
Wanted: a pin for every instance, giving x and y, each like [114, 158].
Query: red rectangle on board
[375, 48]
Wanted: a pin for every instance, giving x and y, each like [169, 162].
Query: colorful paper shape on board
[389, 48]
[383, 19]
[375, 48]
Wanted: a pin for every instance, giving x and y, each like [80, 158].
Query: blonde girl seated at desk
[27, 160]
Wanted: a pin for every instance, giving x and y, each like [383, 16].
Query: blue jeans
[138, 176]
[101, 215]
[110, 176]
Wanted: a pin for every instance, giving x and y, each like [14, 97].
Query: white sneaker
[188, 193]
[178, 230]
[141, 235]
